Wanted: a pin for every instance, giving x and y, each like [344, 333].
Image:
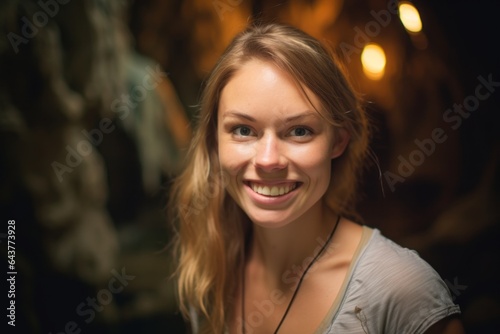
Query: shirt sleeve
[392, 291]
[414, 294]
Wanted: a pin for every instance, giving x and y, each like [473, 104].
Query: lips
[272, 190]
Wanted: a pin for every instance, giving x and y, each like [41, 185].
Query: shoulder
[388, 260]
[400, 274]
[395, 290]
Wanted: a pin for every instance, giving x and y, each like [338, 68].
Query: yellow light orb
[373, 61]
[410, 17]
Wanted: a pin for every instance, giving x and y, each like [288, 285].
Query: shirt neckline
[332, 312]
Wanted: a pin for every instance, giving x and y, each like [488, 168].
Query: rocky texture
[64, 68]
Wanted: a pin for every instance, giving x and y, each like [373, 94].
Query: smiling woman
[262, 144]
[284, 137]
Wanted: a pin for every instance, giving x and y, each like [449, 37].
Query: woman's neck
[276, 254]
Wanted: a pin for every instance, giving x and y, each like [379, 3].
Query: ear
[342, 138]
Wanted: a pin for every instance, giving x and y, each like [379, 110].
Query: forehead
[260, 86]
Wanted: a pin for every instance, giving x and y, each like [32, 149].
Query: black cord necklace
[296, 289]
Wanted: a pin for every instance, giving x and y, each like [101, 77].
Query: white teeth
[265, 190]
[275, 191]
[272, 191]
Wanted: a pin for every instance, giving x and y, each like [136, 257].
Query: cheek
[318, 167]
[232, 158]
[311, 158]
[232, 163]
[321, 169]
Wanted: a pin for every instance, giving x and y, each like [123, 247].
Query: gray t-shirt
[388, 289]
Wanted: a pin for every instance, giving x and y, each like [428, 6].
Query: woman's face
[275, 147]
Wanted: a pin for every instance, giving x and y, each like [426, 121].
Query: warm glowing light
[373, 60]
[410, 17]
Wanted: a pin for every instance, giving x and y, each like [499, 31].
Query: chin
[269, 220]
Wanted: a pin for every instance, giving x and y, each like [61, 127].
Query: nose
[269, 155]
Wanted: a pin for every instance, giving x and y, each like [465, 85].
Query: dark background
[109, 213]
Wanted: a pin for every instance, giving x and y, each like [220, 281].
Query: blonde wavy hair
[210, 227]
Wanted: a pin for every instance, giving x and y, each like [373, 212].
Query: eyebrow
[233, 113]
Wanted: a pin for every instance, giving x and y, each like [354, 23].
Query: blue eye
[242, 131]
[300, 132]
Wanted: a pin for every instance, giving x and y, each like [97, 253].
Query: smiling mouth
[273, 191]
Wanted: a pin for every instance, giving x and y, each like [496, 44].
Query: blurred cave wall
[91, 133]
[140, 65]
